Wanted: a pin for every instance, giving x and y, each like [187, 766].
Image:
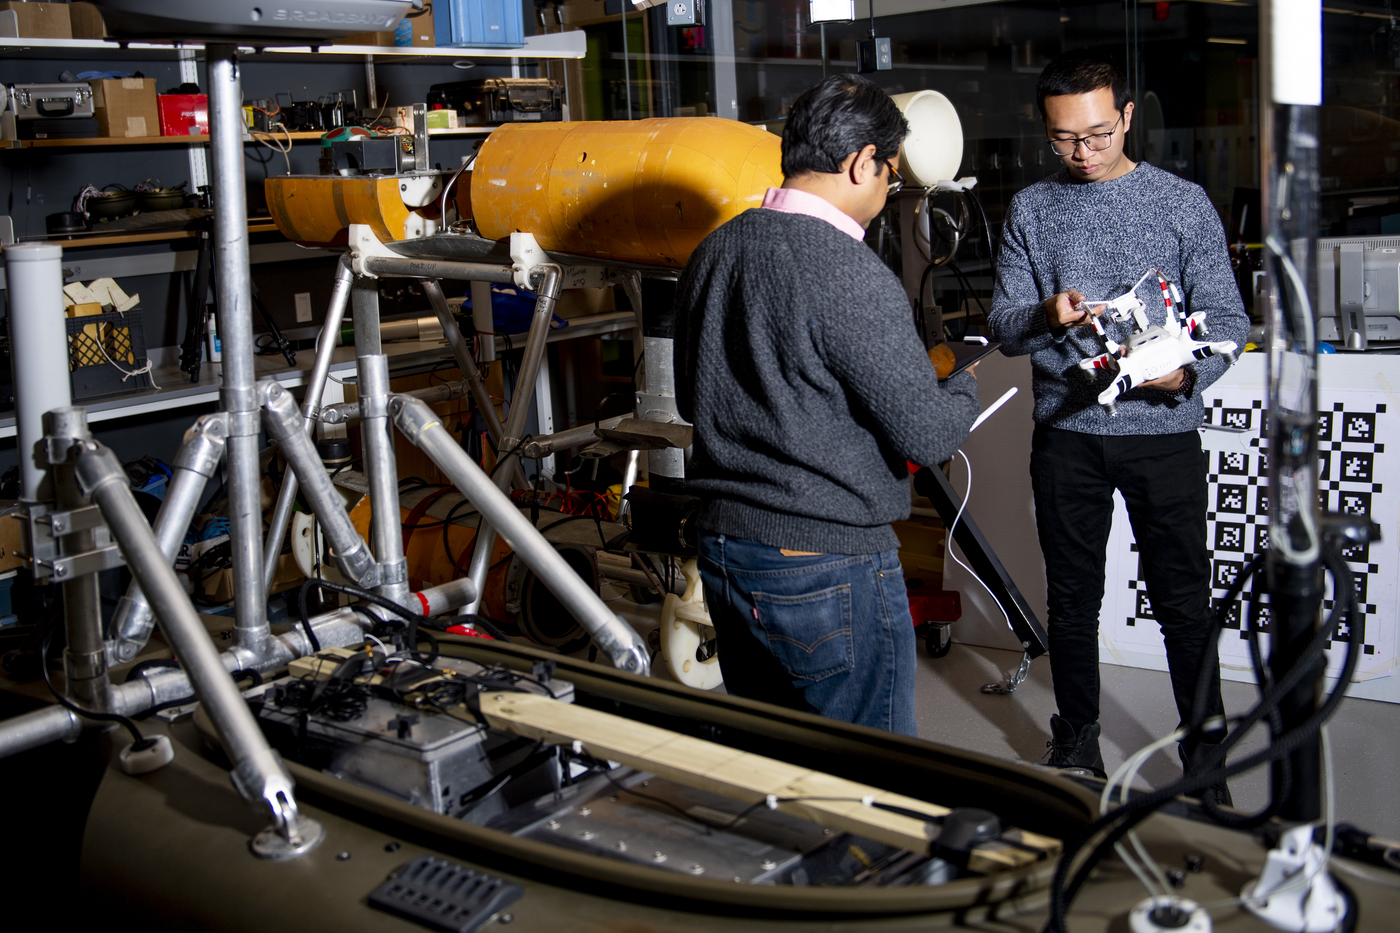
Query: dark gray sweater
[798, 363]
[1100, 238]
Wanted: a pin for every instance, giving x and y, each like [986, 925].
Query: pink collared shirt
[796, 201]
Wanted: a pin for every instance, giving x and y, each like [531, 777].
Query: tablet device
[970, 351]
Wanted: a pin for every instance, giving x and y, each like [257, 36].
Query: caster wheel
[938, 639]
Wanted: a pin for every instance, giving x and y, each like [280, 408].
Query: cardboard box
[126, 107]
[11, 537]
[183, 114]
[416, 31]
[40, 20]
[367, 38]
[86, 20]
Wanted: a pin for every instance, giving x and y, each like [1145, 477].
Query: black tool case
[500, 100]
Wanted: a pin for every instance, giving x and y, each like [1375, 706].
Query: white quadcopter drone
[1155, 350]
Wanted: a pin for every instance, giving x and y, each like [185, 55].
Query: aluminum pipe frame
[346, 412]
[195, 463]
[339, 628]
[614, 637]
[237, 397]
[386, 532]
[38, 728]
[85, 657]
[462, 354]
[287, 427]
[257, 774]
[315, 390]
[485, 542]
[39, 353]
[437, 269]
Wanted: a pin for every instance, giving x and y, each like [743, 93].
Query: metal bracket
[1009, 687]
[74, 520]
[525, 255]
[43, 529]
[72, 566]
[365, 245]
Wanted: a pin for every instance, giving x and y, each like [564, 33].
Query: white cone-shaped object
[933, 149]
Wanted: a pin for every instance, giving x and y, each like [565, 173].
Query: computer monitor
[1358, 285]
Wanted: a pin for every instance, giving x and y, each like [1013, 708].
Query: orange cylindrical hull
[319, 209]
[643, 191]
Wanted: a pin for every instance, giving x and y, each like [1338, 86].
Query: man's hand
[1170, 382]
[1063, 310]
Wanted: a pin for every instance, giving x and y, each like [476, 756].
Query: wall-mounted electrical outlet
[874, 55]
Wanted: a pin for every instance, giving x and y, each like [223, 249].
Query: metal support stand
[234, 292]
[613, 636]
[315, 389]
[85, 658]
[516, 420]
[199, 456]
[286, 426]
[257, 772]
[1292, 62]
[380, 466]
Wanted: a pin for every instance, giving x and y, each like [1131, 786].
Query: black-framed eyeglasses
[1096, 142]
[896, 181]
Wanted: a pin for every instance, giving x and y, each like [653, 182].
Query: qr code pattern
[1352, 468]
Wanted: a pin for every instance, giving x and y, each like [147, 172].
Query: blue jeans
[827, 633]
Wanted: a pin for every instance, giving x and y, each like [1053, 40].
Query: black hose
[1062, 894]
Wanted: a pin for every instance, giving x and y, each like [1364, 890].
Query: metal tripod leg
[85, 658]
[234, 293]
[257, 773]
[614, 637]
[199, 456]
[330, 333]
[462, 353]
[386, 535]
[284, 424]
[485, 542]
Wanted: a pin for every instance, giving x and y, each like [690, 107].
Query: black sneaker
[1077, 754]
[1217, 793]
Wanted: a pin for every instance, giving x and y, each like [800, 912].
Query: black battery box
[500, 100]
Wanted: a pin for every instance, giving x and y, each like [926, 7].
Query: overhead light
[1218, 40]
[832, 11]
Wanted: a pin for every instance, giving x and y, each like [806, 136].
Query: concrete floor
[1136, 708]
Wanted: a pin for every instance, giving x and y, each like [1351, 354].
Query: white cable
[949, 537]
[276, 144]
[1125, 774]
[126, 373]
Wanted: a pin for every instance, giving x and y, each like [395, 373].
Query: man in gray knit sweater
[799, 365]
[1088, 233]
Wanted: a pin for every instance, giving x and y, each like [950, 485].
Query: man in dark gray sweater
[799, 365]
[1088, 233]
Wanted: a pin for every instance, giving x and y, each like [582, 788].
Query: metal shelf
[553, 45]
[103, 142]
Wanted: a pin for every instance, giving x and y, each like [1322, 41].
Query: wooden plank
[821, 798]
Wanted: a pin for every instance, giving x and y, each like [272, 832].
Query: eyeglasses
[896, 181]
[1098, 142]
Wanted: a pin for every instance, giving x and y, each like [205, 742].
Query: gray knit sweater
[1100, 238]
[799, 365]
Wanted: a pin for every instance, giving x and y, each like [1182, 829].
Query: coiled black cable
[1063, 890]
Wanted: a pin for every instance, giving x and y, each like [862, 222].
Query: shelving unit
[104, 141]
[553, 45]
[176, 392]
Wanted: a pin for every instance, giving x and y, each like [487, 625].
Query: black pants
[1163, 481]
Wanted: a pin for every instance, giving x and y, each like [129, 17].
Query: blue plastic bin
[477, 24]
